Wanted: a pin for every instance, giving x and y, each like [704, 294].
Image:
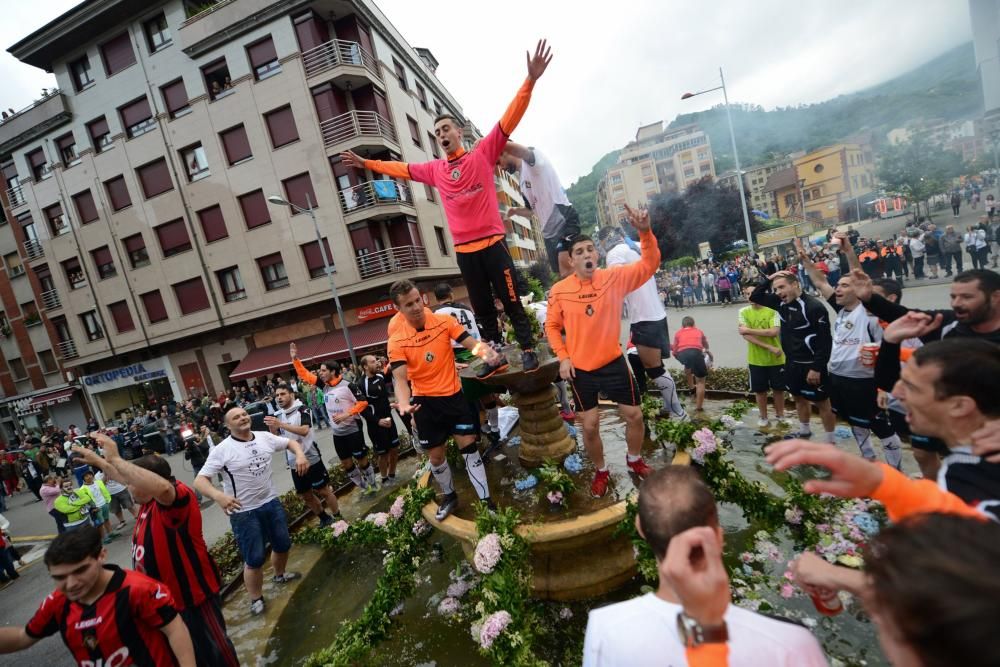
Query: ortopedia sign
[135, 373]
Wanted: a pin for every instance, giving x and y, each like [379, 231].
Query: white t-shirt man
[643, 304]
[541, 187]
[754, 640]
[851, 330]
[246, 468]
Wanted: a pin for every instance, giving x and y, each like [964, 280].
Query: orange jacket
[905, 497]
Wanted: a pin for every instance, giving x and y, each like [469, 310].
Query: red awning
[49, 398]
[363, 336]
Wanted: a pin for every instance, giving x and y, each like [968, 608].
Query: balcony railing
[356, 124]
[197, 10]
[372, 194]
[50, 299]
[335, 53]
[16, 197]
[392, 260]
[67, 349]
[34, 249]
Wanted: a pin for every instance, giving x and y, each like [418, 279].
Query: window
[12, 261]
[121, 316]
[57, 221]
[48, 361]
[91, 326]
[135, 248]
[191, 295]
[38, 165]
[217, 81]
[422, 96]
[104, 263]
[272, 270]
[175, 98]
[789, 200]
[137, 118]
[30, 312]
[437, 108]
[865, 181]
[157, 33]
[299, 191]
[281, 126]
[100, 135]
[819, 168]
[17, 369]
[195, 162]
[314, 259]
[254, 207]
[154, 178]
[414, 131]
[429, 191]
[173, 237]
[156, 311]
[442, 243]
[213, 226]
[117, 54]
[263, 59]
[432, 142]
[231, 284]
[400, 74]
[118, 193]
[235, 144]
[66, 146]
[79, 71]
[74, 273]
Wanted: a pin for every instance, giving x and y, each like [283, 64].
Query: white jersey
[112, 485]
[541, 187]
[465, 317]
[643, 304]
[247, 468]
[340, 398]
[851, 330]
[299, 415]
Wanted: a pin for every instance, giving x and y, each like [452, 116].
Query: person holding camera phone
[196, 451]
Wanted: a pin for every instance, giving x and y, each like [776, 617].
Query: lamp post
[327, 265]
[736, 155]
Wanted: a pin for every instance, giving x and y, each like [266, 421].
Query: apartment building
[754, 179]
[657, 161]
[142, 256]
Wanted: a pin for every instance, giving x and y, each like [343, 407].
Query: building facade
[139, 231]
[754, 179]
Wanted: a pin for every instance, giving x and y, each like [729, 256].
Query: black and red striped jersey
[122, 627]
[168, 545]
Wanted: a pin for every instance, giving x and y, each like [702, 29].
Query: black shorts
[899, 424]
[652, 334]
[693, 360]
[315, 478]
[350, 446]
[855, 400]
[443, 416]
[763, 378]
[383, 439]
[795, 382]
[207, 627]
[560, 242]
[614, 380]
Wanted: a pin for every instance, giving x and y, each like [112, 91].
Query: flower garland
[558, 483]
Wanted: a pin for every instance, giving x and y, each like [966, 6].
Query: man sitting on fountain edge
[587, 304]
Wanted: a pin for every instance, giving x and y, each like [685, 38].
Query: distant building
[985, 18]
[657, 161]
[754, 179]
[968, 138]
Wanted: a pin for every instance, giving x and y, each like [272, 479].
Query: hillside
[946, 87]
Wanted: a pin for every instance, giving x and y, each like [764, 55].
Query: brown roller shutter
[118, 193]
[122, 316]
[254, 207]
[191, 295]
[117, 54]
[281, 126]
[213, 225]
[135, 112]
[175, 96]
[155, 178]
[156, 311]
[296, 189]
[173, 237]
[236, 144]
[262, 53]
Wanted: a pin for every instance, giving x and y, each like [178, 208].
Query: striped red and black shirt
[168, 545]
[122, 627]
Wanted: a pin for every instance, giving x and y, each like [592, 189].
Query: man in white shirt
[643, 631]
[250, 499]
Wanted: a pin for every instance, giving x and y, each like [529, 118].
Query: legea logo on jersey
[89, 623]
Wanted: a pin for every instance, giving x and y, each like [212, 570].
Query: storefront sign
[376, 311]
[144, 371]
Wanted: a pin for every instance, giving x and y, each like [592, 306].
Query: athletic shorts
[614, 380]
[254, 529]
[795, 382]
[763, 378]
[315, 478]
[561, 240]
[207, 627]
[442, 416]
[899, 424]
[693, 359]
[121, 501]
[351, 446]
[854, 399]
[652, 334]
[383, 439]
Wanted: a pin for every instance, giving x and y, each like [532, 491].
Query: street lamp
[327, 264]
[736, 155]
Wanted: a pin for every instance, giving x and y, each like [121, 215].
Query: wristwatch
[695, 634]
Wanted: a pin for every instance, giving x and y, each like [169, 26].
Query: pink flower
[488, 553]
[396, 511]
[746, 557]
[494, 624]
[706, 444]
[793, 515]
[787, 590]
[458, 589]
[555, 497]
[788, 575]
[379, 519]
[339, 528]
[449, 606]
[420, 527]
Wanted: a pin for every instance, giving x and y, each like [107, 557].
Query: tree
[918, 170]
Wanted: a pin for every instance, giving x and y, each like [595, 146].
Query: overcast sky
[617, 65]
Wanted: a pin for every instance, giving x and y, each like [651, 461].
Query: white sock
[493, 418]
[355, 476]
[668, 389]
[442, 474]
[477, 474]
[893, 451]
[864, 439]
[633, 458]
[804, 427]
[762, 414]
[830, 437]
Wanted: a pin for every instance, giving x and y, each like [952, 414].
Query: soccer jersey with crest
[246, 467]
[430, 363]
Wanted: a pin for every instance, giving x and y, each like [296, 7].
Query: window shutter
[262, 53]
[213, 225]
[236, 144]
[175, 96]
[296, 189]
[118, 193]
[9, 171]
[191, 295]
[155, 178]
[53, 212]
[102, 256]
[122, 316]
[269, 260]
[98, 127]
[133, 243]
[135, 112]
[117, 54]
[156, 311]
[36, 158]
[254, 207]
[65, 142]
[173, 237]
[281, 126]
[314, 260]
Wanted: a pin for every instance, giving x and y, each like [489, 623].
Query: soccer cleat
[286, 577]
[599, 486]
[529, 361]
[490, 505]
[489, 370]
[448, 505]
[763, 422]
[639, 467]
[257, 607]
[798, 436]
[567, 415]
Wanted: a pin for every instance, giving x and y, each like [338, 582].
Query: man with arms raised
[250, 499]
[588, 306]
[468, 194]
[420, 353]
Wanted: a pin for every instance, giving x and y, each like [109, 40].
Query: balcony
[357, 130]
[67, 349]
[375, 199]
[392, 260]
[33, 249]
[351, 63]
[15, 196]
[50, 300]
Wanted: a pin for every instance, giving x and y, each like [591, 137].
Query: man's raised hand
[293, 350]
[538, 62]
[914, 324]
[352, 159]
[850, 475]
[638, 218]
[862, 284]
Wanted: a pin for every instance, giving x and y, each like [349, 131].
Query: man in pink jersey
[465, 181]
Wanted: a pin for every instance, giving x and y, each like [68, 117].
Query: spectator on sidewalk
[50, 491]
